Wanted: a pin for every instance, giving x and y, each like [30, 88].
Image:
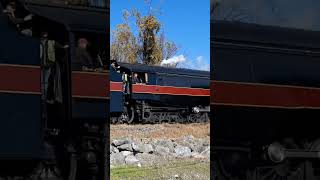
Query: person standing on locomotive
[125, 80]
[48, 58]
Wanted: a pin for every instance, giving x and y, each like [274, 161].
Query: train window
[140, 78]
[90, 52]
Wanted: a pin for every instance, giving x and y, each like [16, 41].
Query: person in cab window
[82, 55]
[136, 79]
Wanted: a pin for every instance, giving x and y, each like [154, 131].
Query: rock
[197, 155]
[163, 151]
[126, 153]
[147, 159]
[206, 152]
[182, 151]
[131, 160]
[189, 138]
[147, 148]
[125, 147]
[120, 142]
[113, 149]
[142, 148]
[166, 143]
[197, 146]
[117, 159]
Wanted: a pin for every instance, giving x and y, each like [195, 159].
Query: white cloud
[198, 64]
[174, 60]
[201, 64]
[199, 58]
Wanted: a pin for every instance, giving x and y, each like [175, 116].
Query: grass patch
[185, 170]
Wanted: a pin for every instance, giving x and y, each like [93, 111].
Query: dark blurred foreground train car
[265, 102]
[62, 137]
[161, 94]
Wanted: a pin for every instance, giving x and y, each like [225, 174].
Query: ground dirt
[160, 131]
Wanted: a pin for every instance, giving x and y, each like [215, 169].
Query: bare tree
[148, 47]
[124, 47]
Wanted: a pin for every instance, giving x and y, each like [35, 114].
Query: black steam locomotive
[265, 102]
[155, 94]
[53, 126]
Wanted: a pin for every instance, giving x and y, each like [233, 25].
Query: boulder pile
[142, 152]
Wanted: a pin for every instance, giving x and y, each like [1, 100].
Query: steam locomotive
[62, 137]
[265, 100]
[161, 94]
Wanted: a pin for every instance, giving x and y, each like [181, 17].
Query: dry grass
[184, 170]
[160, 131]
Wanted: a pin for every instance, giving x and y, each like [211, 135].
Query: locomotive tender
[57, 140]
[163, 94]
[265, 101]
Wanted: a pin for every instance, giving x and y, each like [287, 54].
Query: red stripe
[90, 85]
[19, 79]
[116, 86]
[154, 89]
[26, 79]
[245, 94]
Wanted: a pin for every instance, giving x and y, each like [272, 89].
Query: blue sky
[187, 23]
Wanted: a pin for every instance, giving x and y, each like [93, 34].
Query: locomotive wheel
[114, 120]
[128, 115]
[222, 173]
[287, 169]
[46, 171]
[312, 168]
[315, 145]
[284, 171]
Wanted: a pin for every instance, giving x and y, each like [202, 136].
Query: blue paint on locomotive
[116, 98]
[249, 53]
[15, 48]
[21, 134]
[265, 54]
[20, 130]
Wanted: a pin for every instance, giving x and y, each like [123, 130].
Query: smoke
[182, 62]
[174, 60]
